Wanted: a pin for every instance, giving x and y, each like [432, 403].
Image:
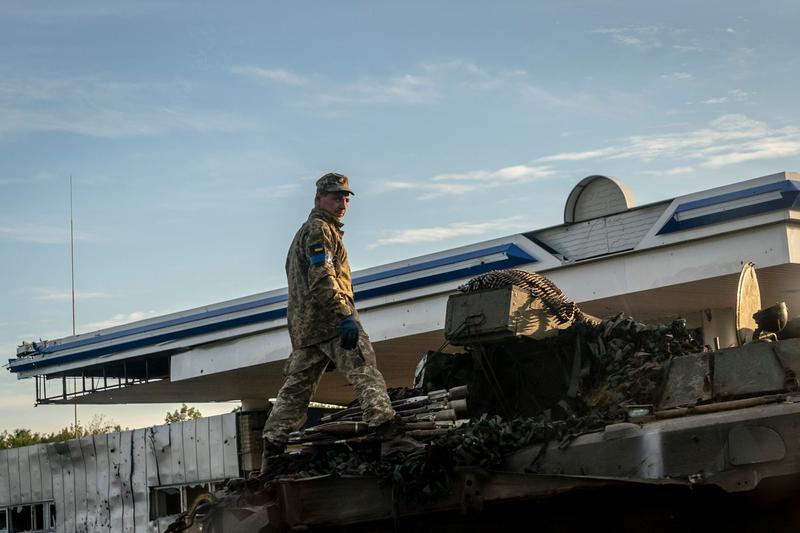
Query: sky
[194, 132]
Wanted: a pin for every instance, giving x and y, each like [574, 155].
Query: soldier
[323, 323]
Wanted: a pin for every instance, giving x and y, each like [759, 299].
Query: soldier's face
[334, 203]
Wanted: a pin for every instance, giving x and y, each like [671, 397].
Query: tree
[98, 425]
[18, 438]
[182, 415]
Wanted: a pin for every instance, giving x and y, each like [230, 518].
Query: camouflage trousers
[302, 373]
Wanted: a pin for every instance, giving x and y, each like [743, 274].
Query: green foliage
[182, 415]
[19, 437]
[98, 425]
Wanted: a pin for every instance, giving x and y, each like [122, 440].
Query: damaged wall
[103, 482]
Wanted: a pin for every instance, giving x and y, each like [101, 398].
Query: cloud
[675, 171]
[406, 89]
[677, 76]
[735, 95]
[466, 182]
[742, 58]
[516, 173]
[37, 177]
[739, 95]
[403, 89]
[578, 156]
[50, 295]
[276, 191]
[456, 65]
[451, 231]
[687, 47]
[642, 37]
[118, 320]
[279, 75]
[725, 141]
[107, 109]
[425, 84]
[40, 234]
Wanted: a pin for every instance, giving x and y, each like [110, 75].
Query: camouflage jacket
[320, 287]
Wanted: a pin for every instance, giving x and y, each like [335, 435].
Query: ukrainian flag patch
[318, 259]
[317, 254]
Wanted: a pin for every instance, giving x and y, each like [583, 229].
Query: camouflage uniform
[320, 296]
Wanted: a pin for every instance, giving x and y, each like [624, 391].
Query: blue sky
[194, 133]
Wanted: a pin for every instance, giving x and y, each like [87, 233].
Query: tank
[538, 414]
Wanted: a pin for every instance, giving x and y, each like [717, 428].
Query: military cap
[334, 182]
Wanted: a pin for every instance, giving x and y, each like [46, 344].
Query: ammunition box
[493, 315]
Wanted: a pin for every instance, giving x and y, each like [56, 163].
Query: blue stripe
[317, 259]
[434, 263]
[514, 256]
[789, 190]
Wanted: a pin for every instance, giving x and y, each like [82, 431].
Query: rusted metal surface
[328, 500]
[688, 381]
[747, 370]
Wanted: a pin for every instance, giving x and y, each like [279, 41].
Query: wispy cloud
[403, 89]
[456, 65]
[579, 156]
[406, 89]
[687, 48]
[451, 231]
[277, 191]
[275, 75]
[424, 84]
[642, 37]
[39, 234]
[118, 320]
[742, 58]
[725, 141]
[651, 37]
[105, 108]
[466, 182]
[52, 295]
[675, 171]
[37, 177]
[512, 174]
[736, 95]
[677, 76]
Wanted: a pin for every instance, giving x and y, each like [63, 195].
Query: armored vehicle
[535, 415]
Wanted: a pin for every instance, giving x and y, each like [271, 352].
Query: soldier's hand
[348, 330]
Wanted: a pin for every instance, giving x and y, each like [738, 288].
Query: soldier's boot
[270, 449]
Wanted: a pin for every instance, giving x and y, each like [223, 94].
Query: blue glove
[348, 330]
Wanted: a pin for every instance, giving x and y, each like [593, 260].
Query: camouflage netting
[622, 363]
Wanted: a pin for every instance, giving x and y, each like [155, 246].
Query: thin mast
[72, 276]
[72, 255]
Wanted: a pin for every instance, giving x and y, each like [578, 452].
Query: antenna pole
[72, 255]
[72, 276]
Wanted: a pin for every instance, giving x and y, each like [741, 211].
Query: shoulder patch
[318, 259]
[317, 254]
